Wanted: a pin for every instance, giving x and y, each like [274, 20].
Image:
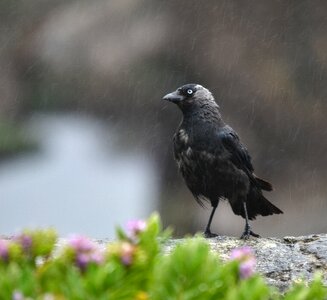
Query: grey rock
[281, 261]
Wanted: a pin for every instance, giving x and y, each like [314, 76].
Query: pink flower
[17, 295]
[247, 268]
[86, 251]
[4, 251]
[134, 227]
[81, 243]
[247, 261]
[241, 253]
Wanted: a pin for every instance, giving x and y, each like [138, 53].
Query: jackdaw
[213, 162]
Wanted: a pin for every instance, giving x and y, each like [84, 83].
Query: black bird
[213, 162]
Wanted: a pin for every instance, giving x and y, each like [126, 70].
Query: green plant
[132, 267]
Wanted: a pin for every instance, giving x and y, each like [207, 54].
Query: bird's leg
[207, 232]
[247, 229]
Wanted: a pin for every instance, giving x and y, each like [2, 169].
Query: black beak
[173, 97]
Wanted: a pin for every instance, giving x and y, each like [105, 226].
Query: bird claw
[208, 234]
[248, 232]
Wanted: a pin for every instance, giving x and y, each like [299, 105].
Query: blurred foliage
[13, 139]
[29, 269]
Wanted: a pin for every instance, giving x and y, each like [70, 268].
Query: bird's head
[191, 96]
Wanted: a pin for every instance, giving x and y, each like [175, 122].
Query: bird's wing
[239, 154]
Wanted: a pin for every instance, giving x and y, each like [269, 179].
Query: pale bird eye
[189, 91]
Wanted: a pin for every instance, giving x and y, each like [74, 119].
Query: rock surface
[281, 260]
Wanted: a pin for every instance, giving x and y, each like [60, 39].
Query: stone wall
[281, 260]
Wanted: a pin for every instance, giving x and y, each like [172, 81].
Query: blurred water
[78, 182]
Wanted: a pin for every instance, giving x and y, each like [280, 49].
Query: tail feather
[266, 208]
[263, 184]
[256, 204]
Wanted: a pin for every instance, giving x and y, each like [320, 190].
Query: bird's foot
[208, 234]
[248, 232]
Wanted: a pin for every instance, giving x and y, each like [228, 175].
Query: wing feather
[241, 157]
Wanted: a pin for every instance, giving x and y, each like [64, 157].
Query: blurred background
[85, 140]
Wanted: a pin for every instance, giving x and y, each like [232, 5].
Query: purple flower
[25, 241]
[81, 243]
[247, 268]
[82, 260]
[247, 261]
[85, 251]
[134, 227]
[4, 251]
